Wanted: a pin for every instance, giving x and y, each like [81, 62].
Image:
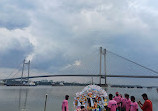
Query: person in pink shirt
[112, 105]
[128, 102]
[65, 106]
[134, 105]
[117, 98]
[123, 103]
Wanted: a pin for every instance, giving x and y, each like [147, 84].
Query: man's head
[145, 97]
[117, 94]
[110, 96]
[66, 97]
[132, 98]
[127, 96]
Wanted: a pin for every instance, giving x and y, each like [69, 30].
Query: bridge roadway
[85, 75]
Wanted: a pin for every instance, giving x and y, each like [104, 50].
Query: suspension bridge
[99, 67]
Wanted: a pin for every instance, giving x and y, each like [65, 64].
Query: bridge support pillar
[100, 66]
[28, 63]
[104, 53]
[22, 71]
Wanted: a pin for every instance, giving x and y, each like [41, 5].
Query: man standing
[128, 102]
[134, 105]
[117, 98]
[112, 105]
[123, 103]
[65, 106]
[147, 106]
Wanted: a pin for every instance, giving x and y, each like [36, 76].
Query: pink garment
[112, 105]
[118, 100]
[123, 100]
[134, 106]
[128, 103]
[65, 104]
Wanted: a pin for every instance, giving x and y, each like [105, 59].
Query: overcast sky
[54, 34]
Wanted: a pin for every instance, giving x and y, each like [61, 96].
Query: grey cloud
[14, 14]
[12, 56]
[100, 23]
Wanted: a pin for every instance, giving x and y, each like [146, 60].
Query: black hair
[127, 95]
[66, 97]
[110, 96]
[144, 95]
[132, 97]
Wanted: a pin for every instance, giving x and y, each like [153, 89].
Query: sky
[55, 34]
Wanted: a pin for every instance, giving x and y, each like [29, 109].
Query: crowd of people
[119, 103]
[127, 103]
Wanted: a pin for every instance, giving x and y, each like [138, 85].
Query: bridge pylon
[105, 72]
[102, 53]
[28, 70]
[100, 65]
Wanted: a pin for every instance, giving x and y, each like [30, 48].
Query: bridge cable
[133, 62]
[19, 67]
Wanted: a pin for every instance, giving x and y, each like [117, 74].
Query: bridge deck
[86, 75]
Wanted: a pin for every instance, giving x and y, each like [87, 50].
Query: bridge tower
[28, 70]
[105, 72]
[100, 66]
[102, 53]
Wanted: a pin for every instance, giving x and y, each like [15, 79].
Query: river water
[32, 98]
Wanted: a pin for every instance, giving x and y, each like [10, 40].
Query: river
[32, 98]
